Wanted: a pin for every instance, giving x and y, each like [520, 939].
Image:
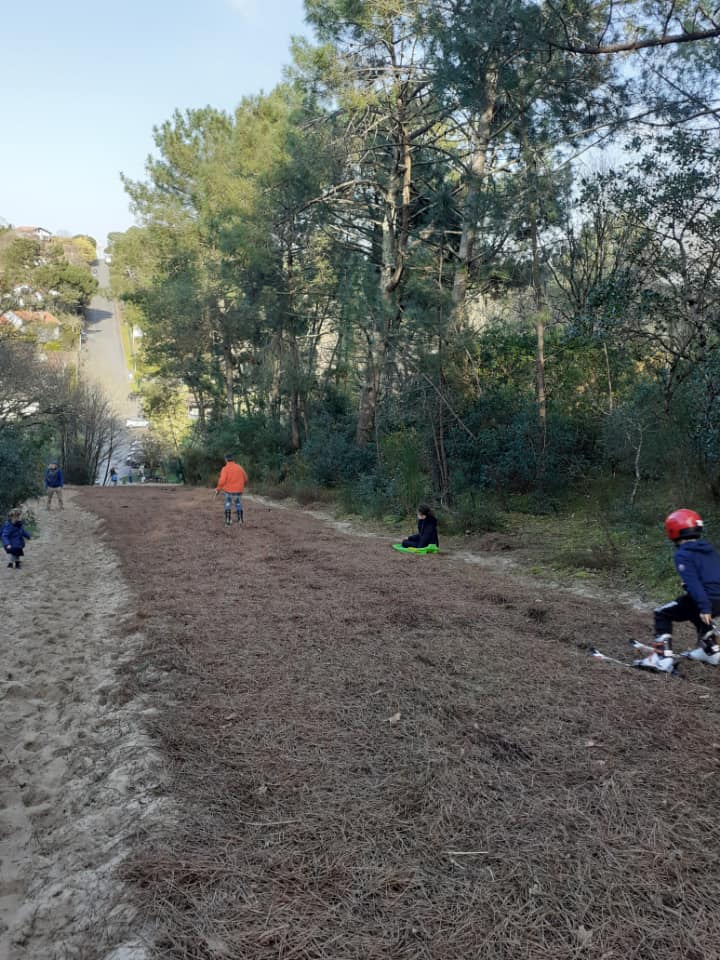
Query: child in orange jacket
[232, 482]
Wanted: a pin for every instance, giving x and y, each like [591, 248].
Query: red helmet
[684, 525]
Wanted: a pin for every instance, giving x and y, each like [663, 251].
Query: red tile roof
[37, 316]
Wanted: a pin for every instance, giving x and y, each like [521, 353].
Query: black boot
[228, 518]
[240, 517]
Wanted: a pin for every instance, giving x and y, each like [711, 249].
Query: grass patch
[593, 536]
[598, 537]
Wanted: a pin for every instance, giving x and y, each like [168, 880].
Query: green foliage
[18, 259]
[330, 456]
[402, 455]
[85, 247]
[21, 466]
[505, 453]
[257, 442]
[474, 512]
[73, 286]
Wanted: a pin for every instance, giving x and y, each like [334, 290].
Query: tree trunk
[481, 135]
[295, 420]
[538, 295]
[369, 395]
[395, 234]
[441, 459]
[609, 378]
[296, 397]
[229, 373]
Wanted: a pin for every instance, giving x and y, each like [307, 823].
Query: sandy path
[75, 772]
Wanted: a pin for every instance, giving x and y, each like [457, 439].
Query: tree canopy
[463, 228]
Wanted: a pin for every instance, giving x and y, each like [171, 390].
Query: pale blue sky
[84, 84]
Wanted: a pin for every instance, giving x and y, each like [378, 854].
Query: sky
[85, 83]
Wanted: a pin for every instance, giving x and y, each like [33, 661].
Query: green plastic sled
[431, 548]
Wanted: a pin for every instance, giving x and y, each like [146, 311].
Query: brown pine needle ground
[374, 755]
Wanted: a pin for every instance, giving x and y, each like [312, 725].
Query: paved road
[104, 362]
[104, 358]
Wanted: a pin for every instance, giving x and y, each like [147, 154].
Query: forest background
[466, 252]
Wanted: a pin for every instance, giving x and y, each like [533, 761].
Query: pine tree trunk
[395, 234]
[469, 227]
[369, 395]
[538, 298]
[229, 373]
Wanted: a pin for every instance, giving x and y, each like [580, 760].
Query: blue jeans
[229, 499]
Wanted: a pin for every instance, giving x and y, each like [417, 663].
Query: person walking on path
[14, 536]
[232, 482]
[54, 483]
[113, 476]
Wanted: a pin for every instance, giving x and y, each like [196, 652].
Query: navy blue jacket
[53, 478]
[698, 563]
[14, 535]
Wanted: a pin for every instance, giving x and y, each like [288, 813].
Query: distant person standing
[232, 482]
[54, 483]
[113, 476]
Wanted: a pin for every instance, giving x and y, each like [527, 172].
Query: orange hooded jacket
[232, 478]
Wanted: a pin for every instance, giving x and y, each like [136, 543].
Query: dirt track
[373, 755]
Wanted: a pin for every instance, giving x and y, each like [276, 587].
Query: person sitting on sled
[427, 529]
[698, 563]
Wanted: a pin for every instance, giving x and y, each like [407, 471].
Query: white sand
[77, 774]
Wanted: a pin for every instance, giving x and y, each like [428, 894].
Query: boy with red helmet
[698, 563]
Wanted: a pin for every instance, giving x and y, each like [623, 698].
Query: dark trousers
[411, 541]
[680, 611]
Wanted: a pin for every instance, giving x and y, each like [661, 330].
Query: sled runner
[653, 663]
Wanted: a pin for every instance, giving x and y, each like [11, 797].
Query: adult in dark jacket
[698, 563]
[13, 536]
[54, 483]
[427, 529]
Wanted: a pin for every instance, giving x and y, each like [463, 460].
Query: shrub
[21, 466]
[257, 442]
[474, 512]
[403, 464]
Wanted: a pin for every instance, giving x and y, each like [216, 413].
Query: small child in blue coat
[14, 536]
